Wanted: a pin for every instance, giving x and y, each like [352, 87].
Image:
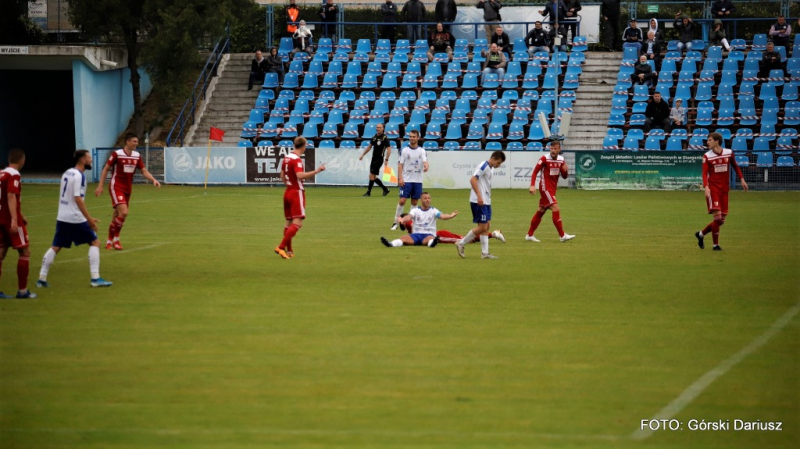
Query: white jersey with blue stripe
[484, 175]
[73, 184]
[425, 220]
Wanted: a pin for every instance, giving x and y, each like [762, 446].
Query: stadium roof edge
[60, 57]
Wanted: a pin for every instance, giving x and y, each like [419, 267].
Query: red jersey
[551, 169]
[123, 168]
[716, 172]
[9, 183]
[292, 165]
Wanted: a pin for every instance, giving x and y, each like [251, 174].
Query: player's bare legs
[401, 204]
[114, 229]
[537, 219]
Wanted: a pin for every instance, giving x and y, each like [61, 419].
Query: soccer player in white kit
[74, 224]
[480, 200]
[424, 225]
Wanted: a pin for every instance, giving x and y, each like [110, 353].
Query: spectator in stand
[537, 39]
[495, 61]
[657, 115]
[770, 60]
[722, 9]
[781, 32]
[329, 13]
[550, 10]
[562, 32]
[446, 12]
[632, 37]
[258, 67]
[491, 13]
[441, 41]
[717, 36]
[303, 39]
[659, 33]
[414, 12]
[677, 115]
[275, 64]
[292, 17]
[389, 13]
[643, 73]
[573, 7]
[502, 40]
[651, 49]
[610, 12]
[685, 26]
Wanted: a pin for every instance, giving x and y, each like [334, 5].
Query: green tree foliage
[15, 27]
[249, 33]
[162, 36]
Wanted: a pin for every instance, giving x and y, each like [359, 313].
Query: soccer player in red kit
[551, 167]
[716, 181]
[124, 163]
[294, 198]
[12, 222]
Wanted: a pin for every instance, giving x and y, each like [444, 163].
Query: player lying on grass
[444, 235]
[424, 218]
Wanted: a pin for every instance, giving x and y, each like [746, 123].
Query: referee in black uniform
[379, 157]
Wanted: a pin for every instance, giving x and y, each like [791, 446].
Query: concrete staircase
[593, 101]
[228, 102]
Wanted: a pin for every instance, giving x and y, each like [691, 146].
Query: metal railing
[186, 117]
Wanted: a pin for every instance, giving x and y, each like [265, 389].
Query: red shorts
[294, 204]
[119, 196]
[16, 240]
[547, 198]
[717, 202]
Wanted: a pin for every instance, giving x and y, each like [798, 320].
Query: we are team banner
[464, 27]
[650, 170]
[261, 165]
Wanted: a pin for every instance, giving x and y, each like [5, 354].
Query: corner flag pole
[208, 164]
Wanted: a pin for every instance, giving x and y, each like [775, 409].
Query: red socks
[715, 225]
[23, 268]
[707, 229]
[115, 227]
[557, 222]
[289, 244]
[288, 235]
[537, 218]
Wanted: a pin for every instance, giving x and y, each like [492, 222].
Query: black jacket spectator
[549, 9]
[329, 13]
[642, 69]
[491, 10]
[685, 30]
[780, 33]
[389, 13]
[257, 70]
[503, 42]
[446, 11]
[537, 38]
[609, 9]
[653, 53]
[722, 8]
[572, 7]
[657, 114]
[632, 34]
[414, 11]
[770, 60]
[441, 40]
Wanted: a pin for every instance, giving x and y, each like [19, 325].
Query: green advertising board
[642, 170]
[652, 8]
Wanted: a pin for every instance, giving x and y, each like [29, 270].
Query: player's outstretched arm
[103, 175]
[310, 174]
[448, 216]
[151, 178]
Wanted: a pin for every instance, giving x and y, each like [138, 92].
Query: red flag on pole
[216, 134]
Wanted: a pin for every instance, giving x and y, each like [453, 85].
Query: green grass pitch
[208, 339]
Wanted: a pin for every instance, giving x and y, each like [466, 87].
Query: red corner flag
[216, 134]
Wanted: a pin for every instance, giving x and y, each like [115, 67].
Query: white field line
[328, 432]
[109, 254]
[695, 389]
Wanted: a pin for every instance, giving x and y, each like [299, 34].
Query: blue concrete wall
[103, 104]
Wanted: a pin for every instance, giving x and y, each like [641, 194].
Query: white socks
[398, 211]
[397, 243]
[484, 244]
[49, 257]
[94, 261]
[469, 238]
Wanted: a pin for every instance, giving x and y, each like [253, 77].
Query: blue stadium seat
[742, 161]
[613, 120]
[765, 159]
[534, 146]
[324, 45]
[344, 46]
[245, 144]
[610, 143]
[631, 144]
[494, 146]
[739, 145]
[724, 132]
[640, 92]
[759, 42]
[697, 143]
[652, 143]
[761, 144]
[784, 161]
[674, 144]
[453, 131]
